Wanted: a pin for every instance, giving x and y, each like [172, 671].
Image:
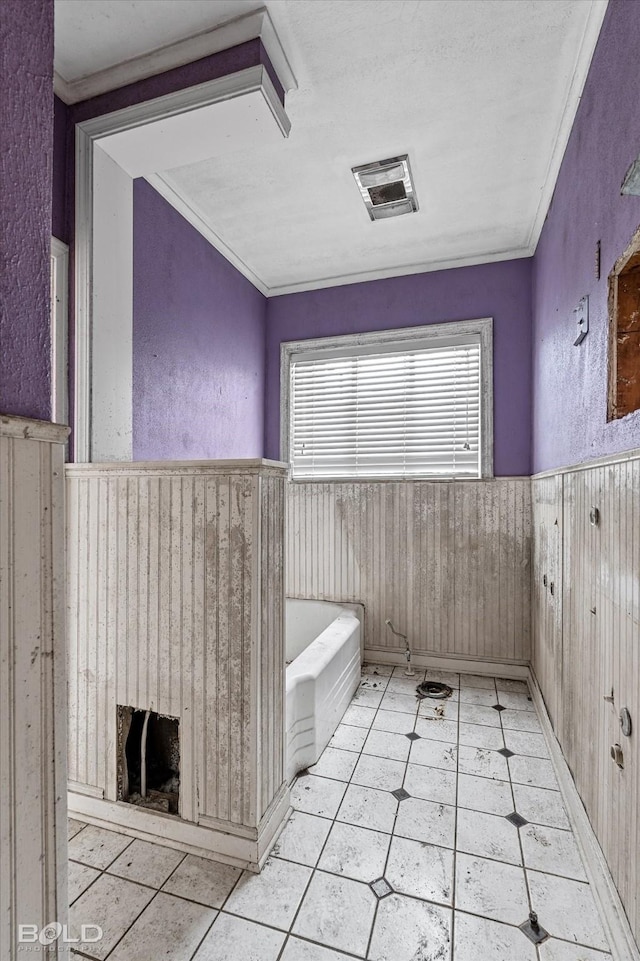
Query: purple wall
[198, 343]
[501, 291]
[26, 132]
[570, 383]
[59, 211]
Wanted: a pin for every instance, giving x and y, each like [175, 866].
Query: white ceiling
[190, 137]
[480, 93]
[92, 35]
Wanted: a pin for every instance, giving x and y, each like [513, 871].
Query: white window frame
[59, 331]
[429, 335]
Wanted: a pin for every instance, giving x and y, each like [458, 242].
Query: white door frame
[59, 331]
[88, 134]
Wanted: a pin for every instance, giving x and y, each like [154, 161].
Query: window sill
[425, 479]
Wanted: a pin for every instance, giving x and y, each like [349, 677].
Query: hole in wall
[148, 759]
[624, 332]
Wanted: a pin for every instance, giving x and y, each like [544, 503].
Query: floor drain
[434, 689]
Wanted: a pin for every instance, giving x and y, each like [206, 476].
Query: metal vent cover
[386, 187]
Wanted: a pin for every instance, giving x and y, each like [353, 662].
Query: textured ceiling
[481, 95]
[92, 35]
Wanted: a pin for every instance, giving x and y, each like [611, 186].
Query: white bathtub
[323, 671]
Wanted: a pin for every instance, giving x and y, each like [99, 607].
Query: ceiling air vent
[386, 187]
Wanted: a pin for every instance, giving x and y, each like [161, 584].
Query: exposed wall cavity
[148, 759]
[624, 332]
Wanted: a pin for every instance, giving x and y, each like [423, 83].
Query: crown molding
[580, 71]
[402, 270]
[194, 216]
[250, 26]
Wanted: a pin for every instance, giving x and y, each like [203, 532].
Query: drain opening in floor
[434, 689]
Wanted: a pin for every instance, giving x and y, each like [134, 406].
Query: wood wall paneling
[33, 832]
[595, 652]
[175, 585]
[546, 593]
[448, 563]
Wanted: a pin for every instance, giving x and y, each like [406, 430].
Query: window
[399, 403]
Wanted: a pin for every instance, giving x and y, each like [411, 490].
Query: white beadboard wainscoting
[33, 824]
[175, 588]
[586, 646]
[448, 562]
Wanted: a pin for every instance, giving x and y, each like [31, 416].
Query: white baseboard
[614, 919]
[273, 824]
[88, 790]
[204, 841]
[450, 662]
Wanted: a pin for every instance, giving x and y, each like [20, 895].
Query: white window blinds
[392, 413]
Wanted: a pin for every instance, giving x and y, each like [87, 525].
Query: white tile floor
[459, 878]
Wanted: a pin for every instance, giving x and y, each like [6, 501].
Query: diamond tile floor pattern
[427, 831]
